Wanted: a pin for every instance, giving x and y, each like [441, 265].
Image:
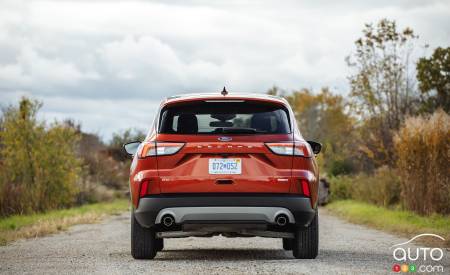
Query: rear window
[244, 117]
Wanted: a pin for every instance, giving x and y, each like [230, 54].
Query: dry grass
[423, 151]
[36, 225]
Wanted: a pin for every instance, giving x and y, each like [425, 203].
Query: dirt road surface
[104, 248]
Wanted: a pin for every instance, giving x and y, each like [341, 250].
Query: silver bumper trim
[183, 214]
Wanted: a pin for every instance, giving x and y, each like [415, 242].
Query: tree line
[46, 166]
[387, 142]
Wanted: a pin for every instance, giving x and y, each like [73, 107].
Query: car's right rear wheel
[144, 244]
[306, 242]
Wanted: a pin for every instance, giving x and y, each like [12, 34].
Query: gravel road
[104, 249]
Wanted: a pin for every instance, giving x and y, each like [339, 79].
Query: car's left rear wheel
[144, 244]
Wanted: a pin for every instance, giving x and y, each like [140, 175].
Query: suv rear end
[230, 165]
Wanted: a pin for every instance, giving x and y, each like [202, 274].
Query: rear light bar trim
[301, 148]
[157, 148]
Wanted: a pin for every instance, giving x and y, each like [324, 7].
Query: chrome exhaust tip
[281, 220]
[168, 220]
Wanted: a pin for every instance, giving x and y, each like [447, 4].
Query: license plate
[225, 166]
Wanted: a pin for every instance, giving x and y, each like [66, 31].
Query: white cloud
[36, 72]
[137, 57]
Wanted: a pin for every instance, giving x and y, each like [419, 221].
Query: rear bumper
[226, 208]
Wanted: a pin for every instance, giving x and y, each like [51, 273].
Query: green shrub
[38, 167]
[423, 150]
[341, 188]
[340, 167]
[382, 188]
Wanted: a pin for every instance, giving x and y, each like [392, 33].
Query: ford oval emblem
[224, 138]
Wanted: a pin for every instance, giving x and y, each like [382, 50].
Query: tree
[434, 74]
[39, 168]
[105, 167]
[383, 87]
[120, 138]
[275, 91]
[323, 117]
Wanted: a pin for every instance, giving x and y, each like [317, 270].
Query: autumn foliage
[38, 166]
[382, 143]
[48, 166]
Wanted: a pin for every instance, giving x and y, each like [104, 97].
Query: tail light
[305, 188]
[299, 148]
[152, 148]
[149, 187]
[144, 189]
[301, 186]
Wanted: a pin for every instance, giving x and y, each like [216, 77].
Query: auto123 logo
[412, 258]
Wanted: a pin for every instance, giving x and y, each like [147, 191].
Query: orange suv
[220, 164]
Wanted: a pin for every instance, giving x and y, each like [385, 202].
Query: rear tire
[288, 244]
[143, 241]
[306, 242]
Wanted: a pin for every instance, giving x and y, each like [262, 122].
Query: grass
[35, 225]
[400, 222]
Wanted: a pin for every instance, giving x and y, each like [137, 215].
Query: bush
[38, 167]
[102, 174]
[340, 167]
[382, 188]
[423, 151]
[94, 193]
[341, 188]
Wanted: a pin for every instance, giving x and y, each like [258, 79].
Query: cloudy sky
[107, 64]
